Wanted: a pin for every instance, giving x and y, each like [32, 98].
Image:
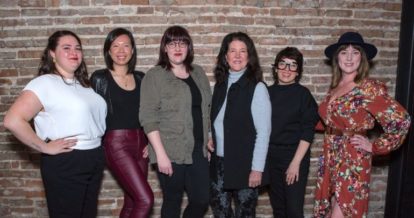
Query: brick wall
[308, 24]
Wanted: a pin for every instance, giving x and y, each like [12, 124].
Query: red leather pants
[123, 152]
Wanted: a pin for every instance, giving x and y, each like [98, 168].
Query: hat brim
[370, 50]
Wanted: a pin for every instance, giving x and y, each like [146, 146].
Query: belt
[342, 132]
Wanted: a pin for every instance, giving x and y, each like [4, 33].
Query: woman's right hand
[164, 164]
[58, 146]
[210, 145]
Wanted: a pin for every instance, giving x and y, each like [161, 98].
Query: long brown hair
[362, 71]
[254, 71]
[47, 66]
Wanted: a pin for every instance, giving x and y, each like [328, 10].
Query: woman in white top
[69, 119]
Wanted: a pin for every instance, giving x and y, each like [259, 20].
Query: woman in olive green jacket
[174, 111]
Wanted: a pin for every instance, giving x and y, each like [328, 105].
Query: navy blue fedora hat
[352, 38]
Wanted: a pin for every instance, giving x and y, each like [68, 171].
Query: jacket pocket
[173, 139]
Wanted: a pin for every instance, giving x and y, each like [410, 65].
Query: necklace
[121, 80]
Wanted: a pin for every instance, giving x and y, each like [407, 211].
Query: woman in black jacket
[124, 140]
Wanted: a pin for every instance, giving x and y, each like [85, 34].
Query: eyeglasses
[175, 44]
[283, 65]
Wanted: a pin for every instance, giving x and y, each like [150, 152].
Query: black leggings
[192, 178]
[72, 182]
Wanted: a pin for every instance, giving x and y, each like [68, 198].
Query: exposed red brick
[95, 20]
[7, 13]
[135, 2]
[31, 3]
[273, 25]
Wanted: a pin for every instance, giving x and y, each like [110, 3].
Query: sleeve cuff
[150, 127]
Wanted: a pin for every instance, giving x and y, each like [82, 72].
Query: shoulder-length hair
[115, 33]
[362, 71]
[171, 34]
[47, 65]
[291, 53]
[254, 72]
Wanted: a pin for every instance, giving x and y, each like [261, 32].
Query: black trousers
[286, 200]
[221, 198]
[192, 178]
[72, 182]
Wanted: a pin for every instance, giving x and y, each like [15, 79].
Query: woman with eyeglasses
[294, 115]
[174, 111]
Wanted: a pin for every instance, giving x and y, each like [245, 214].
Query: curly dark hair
[291, 53]
[47, 65]
[254, 71]
[176, 33]
[115, 33]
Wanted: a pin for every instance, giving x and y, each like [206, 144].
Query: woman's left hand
[255, 178]
[145, 152]
[361, 142]
[292, 173]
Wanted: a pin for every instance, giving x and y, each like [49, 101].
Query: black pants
[192, 178]
[245, 199]
[72, 182]
[286, 200]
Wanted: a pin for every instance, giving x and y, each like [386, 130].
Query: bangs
[177, 35]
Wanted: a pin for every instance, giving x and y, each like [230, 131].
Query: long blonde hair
[363, 69]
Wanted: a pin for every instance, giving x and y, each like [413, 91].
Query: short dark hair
[176, 33]
[47, 65]
[254, 71]
[115, 33]
[291, 53]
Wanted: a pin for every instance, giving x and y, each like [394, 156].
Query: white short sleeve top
[70, 111]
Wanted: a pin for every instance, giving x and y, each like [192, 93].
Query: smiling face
[237, 56]
[177, 52]
[67, 56]
[349, 60]
[287, 71]
[121, 51]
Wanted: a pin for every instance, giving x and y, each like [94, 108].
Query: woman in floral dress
[352, 106]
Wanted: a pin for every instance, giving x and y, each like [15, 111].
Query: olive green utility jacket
[166, 105]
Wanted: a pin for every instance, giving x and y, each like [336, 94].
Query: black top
[125, 106]
[294, 114]
[196, 113]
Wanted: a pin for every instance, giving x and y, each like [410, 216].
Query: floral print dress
[344, 171]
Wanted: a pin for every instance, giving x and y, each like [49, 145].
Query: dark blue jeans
[286, 200]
